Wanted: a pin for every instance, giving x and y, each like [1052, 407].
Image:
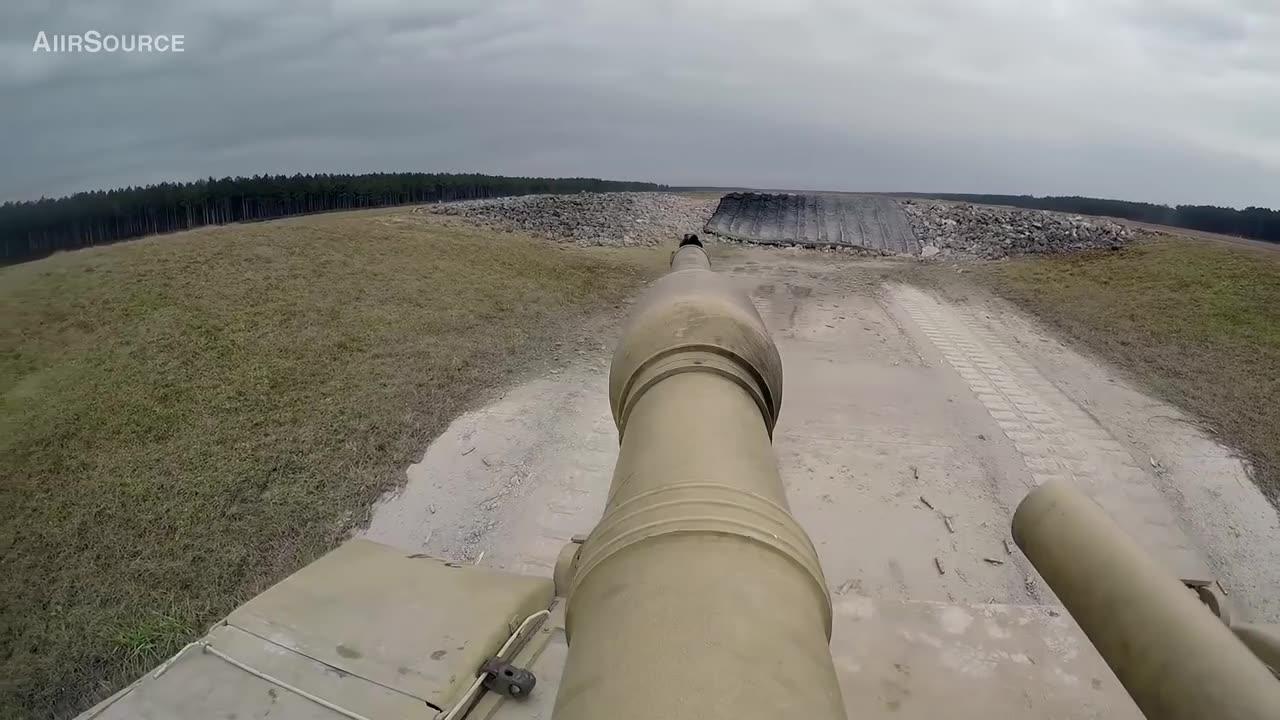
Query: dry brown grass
[187, 419]
[1197, 321]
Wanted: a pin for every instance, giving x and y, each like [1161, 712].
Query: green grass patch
[185, 420]
[1197, 321]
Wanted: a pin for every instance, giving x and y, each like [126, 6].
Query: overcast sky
[1160, 100]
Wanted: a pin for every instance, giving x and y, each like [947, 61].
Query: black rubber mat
[872, 222]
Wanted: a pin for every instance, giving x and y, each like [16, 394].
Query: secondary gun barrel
[697, 595]
[1173, 656]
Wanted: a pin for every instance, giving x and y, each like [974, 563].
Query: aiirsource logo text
[94, 41]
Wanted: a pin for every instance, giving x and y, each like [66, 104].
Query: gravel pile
[963, 230]
[622, 218]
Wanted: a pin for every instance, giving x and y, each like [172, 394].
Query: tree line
[33, 229]
[1252, 222]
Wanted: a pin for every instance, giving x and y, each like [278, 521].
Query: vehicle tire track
[1054, 436]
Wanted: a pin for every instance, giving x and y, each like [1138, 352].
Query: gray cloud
[1163, 100]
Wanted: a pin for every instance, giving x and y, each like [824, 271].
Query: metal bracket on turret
[506, 679]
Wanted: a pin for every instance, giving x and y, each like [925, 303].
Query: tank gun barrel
[697, 595]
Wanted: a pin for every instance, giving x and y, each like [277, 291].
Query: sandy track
[911, 427]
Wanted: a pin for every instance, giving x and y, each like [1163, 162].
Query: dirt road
[911, 427]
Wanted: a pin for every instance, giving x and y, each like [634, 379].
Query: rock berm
[950, 229]
[620, 219]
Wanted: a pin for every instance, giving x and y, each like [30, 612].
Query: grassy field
[1197, 321]
[187, 419]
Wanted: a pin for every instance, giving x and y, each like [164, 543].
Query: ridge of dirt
[965, 230]
[627, 219]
